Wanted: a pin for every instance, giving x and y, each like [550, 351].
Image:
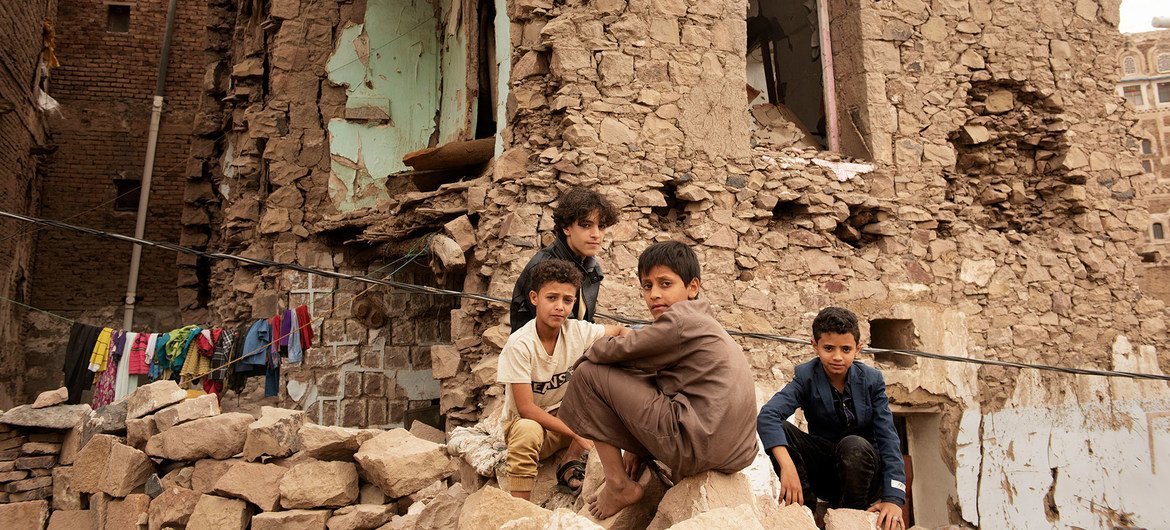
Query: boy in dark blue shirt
[851, 456]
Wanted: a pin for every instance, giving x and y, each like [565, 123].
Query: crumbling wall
[23, 142]
[645, 100]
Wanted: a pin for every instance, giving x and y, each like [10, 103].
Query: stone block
[443, 510]
[218, 437]
[492, 507]
[291, 520]
[845, 519]
[65, 497]
[127, 513]
[51, 397]
[179, 478]
[106, 465]
[402, 464]
[149, 398]
[55, 417]
[173, 508]
[204, 406]
[218, 513]
[333, 443]
[428, 433]
[703, 492]
[72, 520]
[258, 484]
[36, 462]
[319, 484]
[276, 434]
[139, 431]
[361, 517]
[39, 448]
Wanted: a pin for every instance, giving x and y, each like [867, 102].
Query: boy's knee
[525, 433]
[854, 450]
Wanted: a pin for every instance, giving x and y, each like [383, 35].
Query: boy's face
[836, 351]
[553, 303]
[662, 288]
[584, 236]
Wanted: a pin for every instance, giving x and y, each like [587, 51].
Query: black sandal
[577, 468]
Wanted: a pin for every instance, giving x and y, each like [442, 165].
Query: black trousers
[845, 474]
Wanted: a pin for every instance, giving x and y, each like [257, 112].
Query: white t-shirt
[524, 360]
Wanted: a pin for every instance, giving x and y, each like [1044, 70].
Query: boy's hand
[790, 490]
[583, 445]
[889, 515]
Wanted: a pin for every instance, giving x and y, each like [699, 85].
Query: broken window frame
[1134, 95]
[1163, 92]
[111, 7]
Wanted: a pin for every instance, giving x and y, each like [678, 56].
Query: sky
[1136, 14]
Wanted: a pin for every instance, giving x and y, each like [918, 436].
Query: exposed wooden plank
[452, 155]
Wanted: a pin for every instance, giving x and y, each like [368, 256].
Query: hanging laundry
[122, 357]
[212, 386]
[138, 355]
[305, 324]
[78, 351]
[100, 356]
[176, 350]
[219, 356]
[294, 350]
[158, 356]
[103, 393]
[257, 343]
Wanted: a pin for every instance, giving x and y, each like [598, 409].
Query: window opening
[1164, 92]
[1147, 166]
[931, 487]
[1164, 62]
[118, 18]
[1147, 146]
[1158, 232]
[786, 70]
[1129, 66]
[127, 192]
[487, 96]
[893, 334]
[1133, 94]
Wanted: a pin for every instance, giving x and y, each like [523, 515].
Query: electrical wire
[422, 289]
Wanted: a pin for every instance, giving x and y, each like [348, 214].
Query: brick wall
[105, 85]
[22, 130]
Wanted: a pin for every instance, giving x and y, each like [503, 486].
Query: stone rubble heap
[178, 462]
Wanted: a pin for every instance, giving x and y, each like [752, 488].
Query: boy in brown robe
[678, 390]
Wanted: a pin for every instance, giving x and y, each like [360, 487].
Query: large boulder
[49, 398]
[361, 517]
[725, 518]
[72, 520]
[56, 417]
[492, 507]
[428, 433]
[559, 519]
[139, 431]
[110, 419]
[156, 395]
[291, 520]
[218, 437]
[64, 496]
[127, 513]
[108, 466]
[173, 508]
[443, 510]
[333, 443]
[701, 493]
[258, 484]
[402, 464]
[204, 406]
[790, 517]
[29, 515]
[845, 519]
[276, 434]
[218, 513]
[207, 472]
[319, 484]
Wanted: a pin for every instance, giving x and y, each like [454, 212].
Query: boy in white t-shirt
[535, 367]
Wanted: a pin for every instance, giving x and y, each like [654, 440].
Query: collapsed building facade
[992, 213]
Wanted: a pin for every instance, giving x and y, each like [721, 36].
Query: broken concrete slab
[204, 406]
[401, 463]
[291, 520]
[258, 484]
[218, 513]
[319, 484]
[55, 417]
[219, 437]
[275, 434]
[149, 398]
[50, 398]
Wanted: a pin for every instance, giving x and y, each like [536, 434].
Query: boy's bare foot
[613, 498]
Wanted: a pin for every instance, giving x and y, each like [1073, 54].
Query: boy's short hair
[836, 320]
[576, 205]
[555, 270]
[674, 255]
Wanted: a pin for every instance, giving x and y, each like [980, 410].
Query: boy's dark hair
[836, 320]
[555, 270]
[576, 205]
[674, 255]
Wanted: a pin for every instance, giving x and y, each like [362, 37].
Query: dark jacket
[810, 390]
[523, 310]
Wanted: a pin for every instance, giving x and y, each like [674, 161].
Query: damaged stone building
[959, 179]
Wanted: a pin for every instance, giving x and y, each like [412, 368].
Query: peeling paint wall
[389, 65]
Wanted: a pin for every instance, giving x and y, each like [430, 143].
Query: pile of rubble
[163, 459]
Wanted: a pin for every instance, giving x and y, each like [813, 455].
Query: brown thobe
[679, 390]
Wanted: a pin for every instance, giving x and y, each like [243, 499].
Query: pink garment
[137, 358]
[103, 393]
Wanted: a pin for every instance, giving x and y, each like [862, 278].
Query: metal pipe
[828, 82]
[148, 168]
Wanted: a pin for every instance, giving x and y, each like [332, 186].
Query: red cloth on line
[137, 360]
[306, 324]
[213, 387]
